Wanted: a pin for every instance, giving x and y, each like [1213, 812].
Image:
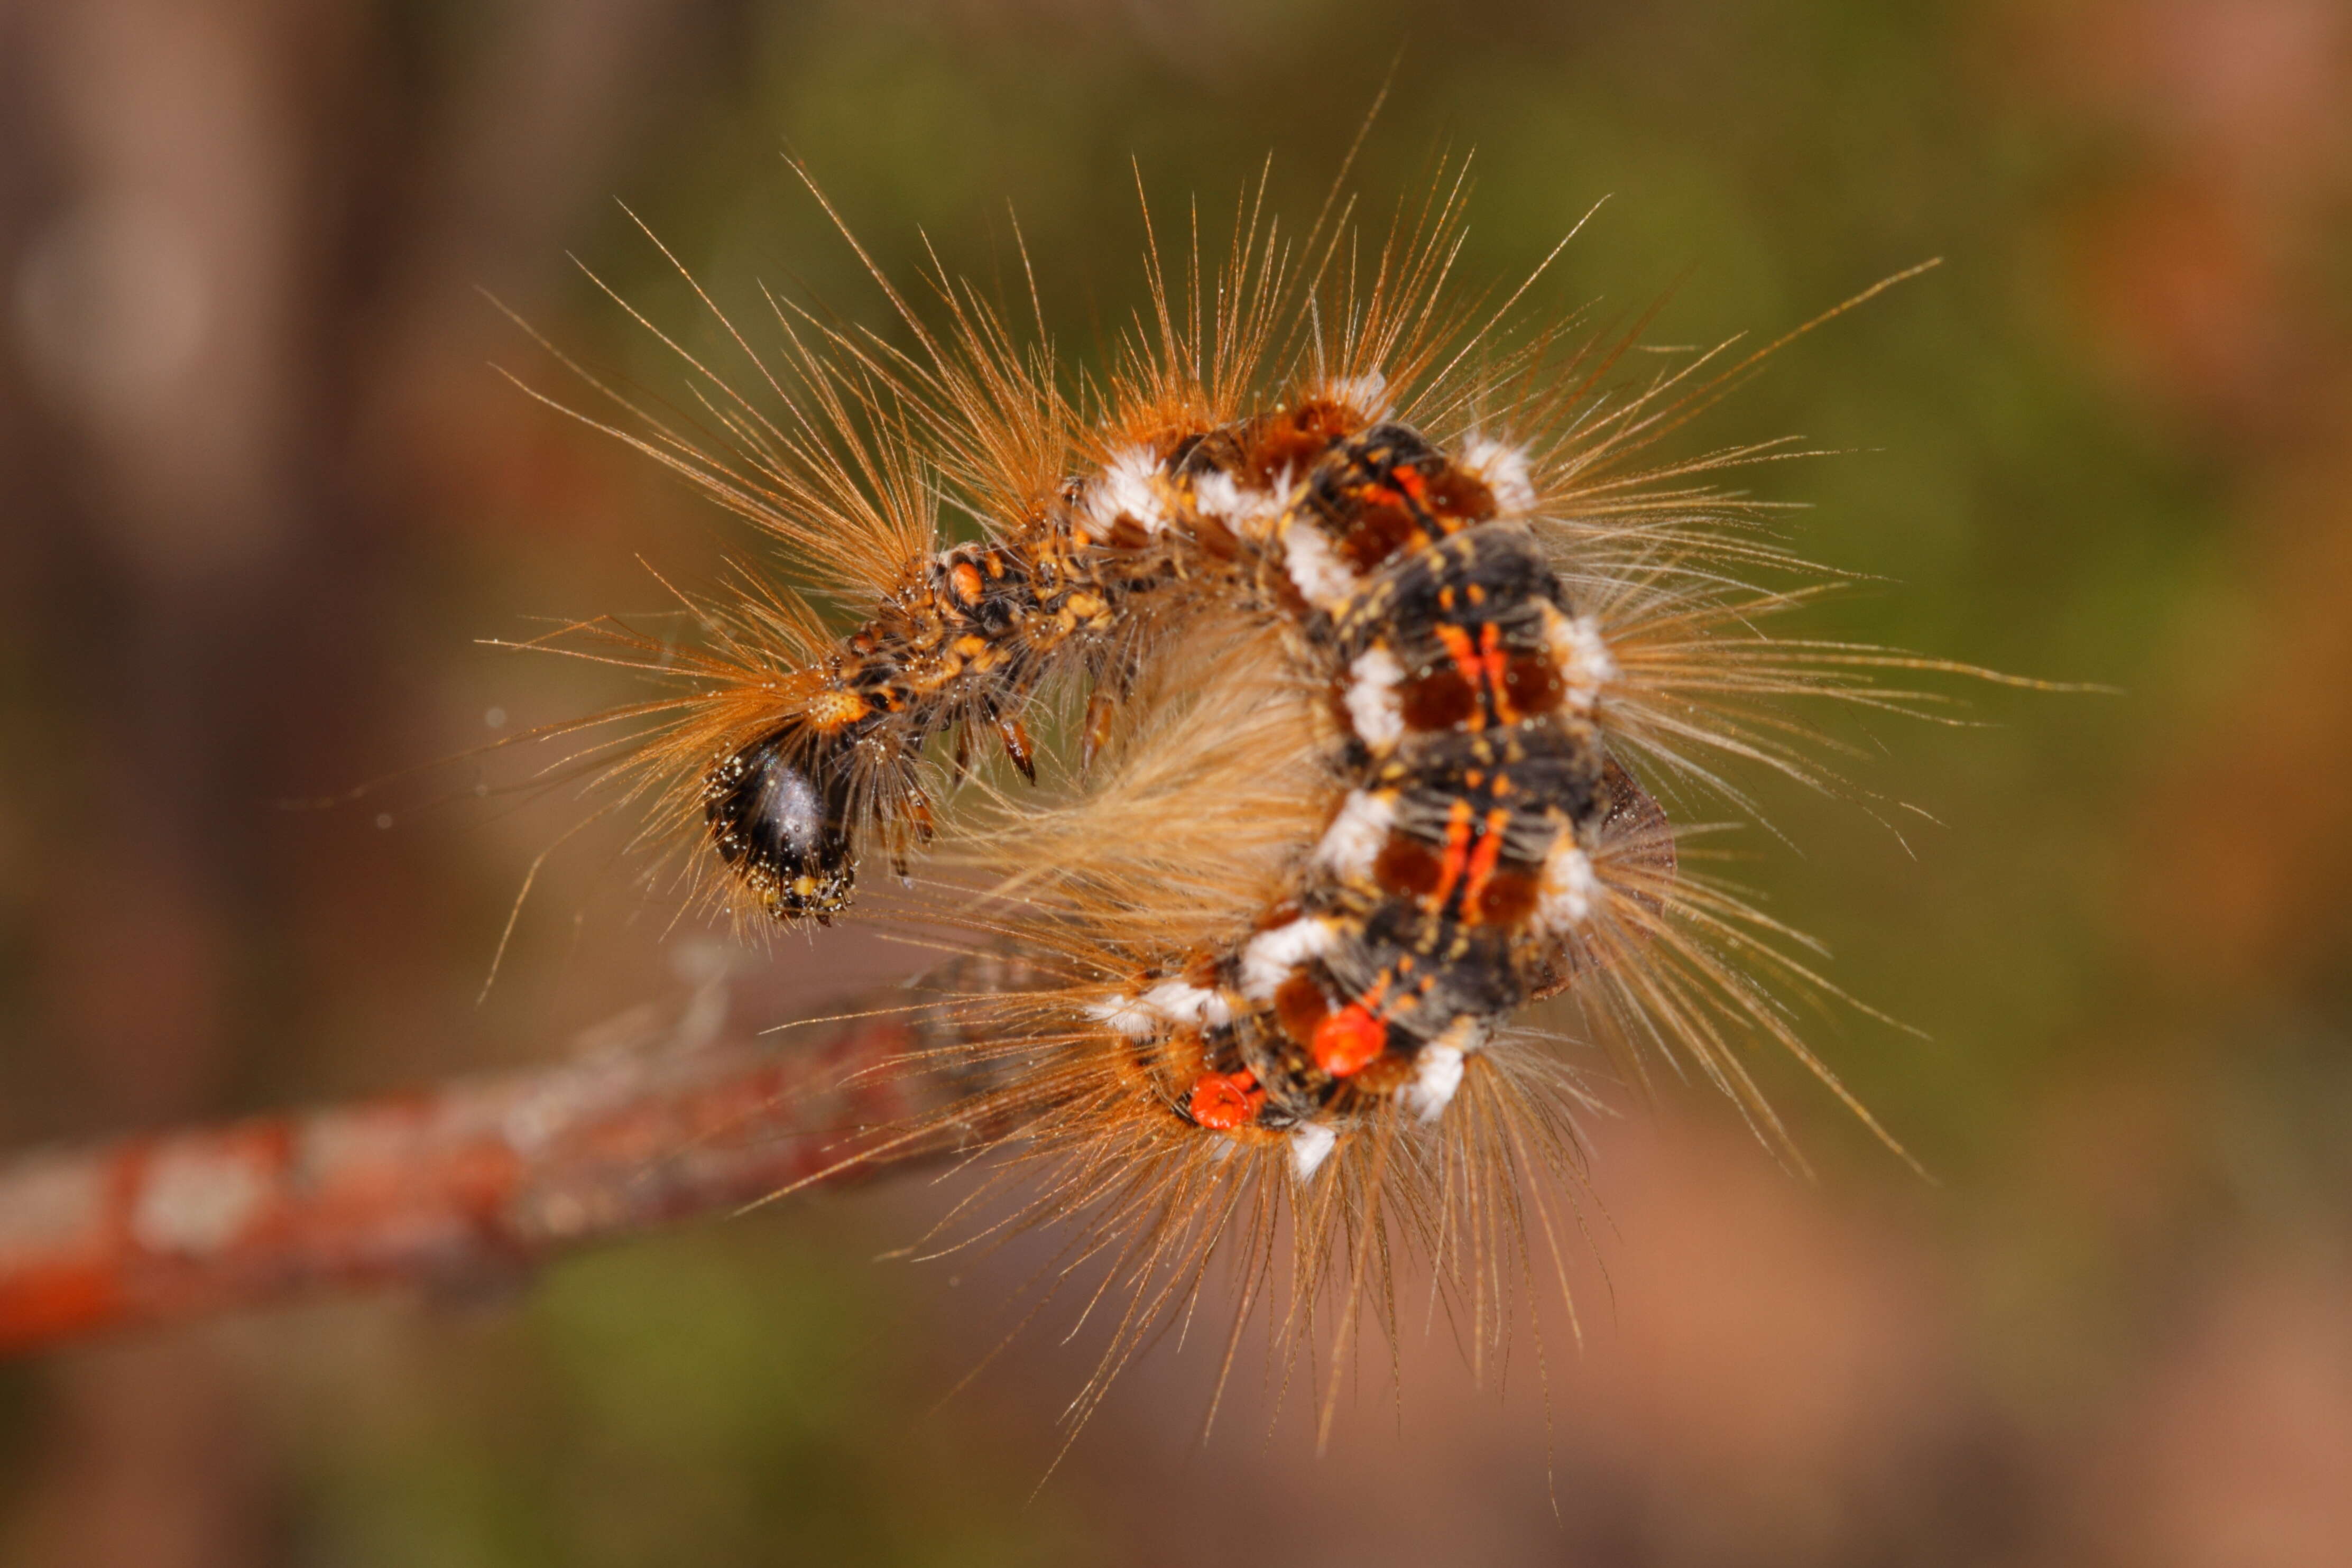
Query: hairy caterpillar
[1364, 647]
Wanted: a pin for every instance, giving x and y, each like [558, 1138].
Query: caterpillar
[1349, 643]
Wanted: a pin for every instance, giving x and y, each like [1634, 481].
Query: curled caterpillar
[1384, 649]
[1443, 891]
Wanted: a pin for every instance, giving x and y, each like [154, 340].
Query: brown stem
[463, 1184]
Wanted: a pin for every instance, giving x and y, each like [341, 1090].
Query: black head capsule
[785, 828]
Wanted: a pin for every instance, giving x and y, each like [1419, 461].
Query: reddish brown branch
[462, 1183]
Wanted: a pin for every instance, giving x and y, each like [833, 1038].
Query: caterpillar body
[1386, 641]
[1442, 895]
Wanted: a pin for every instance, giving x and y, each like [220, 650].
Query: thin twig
[465, 1184]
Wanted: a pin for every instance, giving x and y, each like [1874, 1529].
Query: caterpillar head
[782, 824]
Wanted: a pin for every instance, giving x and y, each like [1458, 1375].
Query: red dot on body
[1223, 1100]
[1348, 1040]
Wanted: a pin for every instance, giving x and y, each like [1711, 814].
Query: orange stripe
[1491, 665]
[1482, 864]
[1457, 853]
[1458, 648]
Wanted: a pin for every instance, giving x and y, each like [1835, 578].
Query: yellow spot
[829, 710]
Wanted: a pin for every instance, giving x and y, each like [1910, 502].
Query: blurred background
[260, 492]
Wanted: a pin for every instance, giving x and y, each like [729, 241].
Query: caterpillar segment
[966, 641]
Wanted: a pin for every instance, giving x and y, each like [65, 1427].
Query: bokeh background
[260, 492]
